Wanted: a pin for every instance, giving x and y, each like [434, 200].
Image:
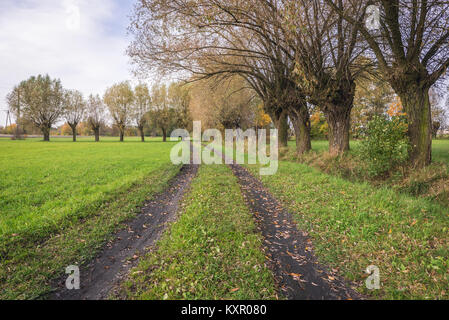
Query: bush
[386, 145]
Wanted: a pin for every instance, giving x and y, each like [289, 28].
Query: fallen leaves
[297, 275]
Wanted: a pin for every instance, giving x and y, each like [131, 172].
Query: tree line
[300, 56]
[43, 102]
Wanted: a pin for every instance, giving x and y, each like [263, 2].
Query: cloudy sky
[81, 42]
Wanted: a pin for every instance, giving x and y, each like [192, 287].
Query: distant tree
[41, 102]
[226, 104]
[180, 97]
[11, 129]
[262, 120]
[65, 130]
[14, 99]
[75, 107]
[142, 104]
[119, 99]
[437, 110]
[373, 95]
[319, 126]
[96, 114]
[84, 128]
[162, 114]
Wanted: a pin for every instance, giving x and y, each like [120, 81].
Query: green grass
[354, 225]
[440, 148]
[431, 182]
[60, 200]
[46, 185]
[212, 252]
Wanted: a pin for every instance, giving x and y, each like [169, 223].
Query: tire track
[289, 251]
[99, 278]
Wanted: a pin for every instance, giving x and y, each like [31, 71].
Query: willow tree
[163, 113]
[142, 103]
[41, 102]
[213, 38]
[119, 99]
[329, 60]
[179, 95]
[411, 44]
[75, 107]
[282, 99]
[96, 114]
[13, 99]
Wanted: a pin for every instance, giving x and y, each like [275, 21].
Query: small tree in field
[75, 107]
[14, 100]
[142, 103]
[96, 114]
[41, 102]
[119, 99]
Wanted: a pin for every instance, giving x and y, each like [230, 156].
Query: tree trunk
[46, 133]
[142, 135]
[281, 123]
[301, 123]
[416, 104]
[122, 135]
[339, 121]
[97, 134]
[164, 135]
[73, 127]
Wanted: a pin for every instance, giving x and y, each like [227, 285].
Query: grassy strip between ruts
[212, 252]
[27, 274]
[354, 225]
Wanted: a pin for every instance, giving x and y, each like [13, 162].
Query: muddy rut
[296, 271]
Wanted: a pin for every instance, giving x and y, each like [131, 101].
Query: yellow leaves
[315, 118]
[295, 275]
[396, 109]
[235, 290]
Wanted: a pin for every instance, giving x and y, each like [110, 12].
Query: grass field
[60, 200]
[440, 150]
[212, 252]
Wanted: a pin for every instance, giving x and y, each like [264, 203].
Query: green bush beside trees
[386, 145]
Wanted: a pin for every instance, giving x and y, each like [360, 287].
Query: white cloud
[73, 18]
[81, 42]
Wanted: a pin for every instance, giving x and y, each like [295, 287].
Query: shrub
[386, 145]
